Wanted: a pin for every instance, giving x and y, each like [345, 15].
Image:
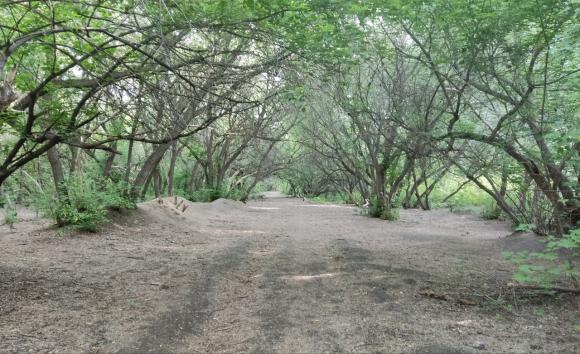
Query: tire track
[175, 326]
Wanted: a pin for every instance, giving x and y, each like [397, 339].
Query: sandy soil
[278, 275]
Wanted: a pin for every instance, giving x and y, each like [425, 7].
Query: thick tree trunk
[146, 187]
[149, 166]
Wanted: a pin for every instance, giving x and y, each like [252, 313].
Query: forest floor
[278, 275]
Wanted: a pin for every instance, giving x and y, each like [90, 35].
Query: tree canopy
[386, 103]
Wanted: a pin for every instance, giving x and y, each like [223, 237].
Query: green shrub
[10, 214]
[83, 202]
[390, 214]
[205, 195]
[490, 211]
[555, 262]
[376, 208]
[208, 195]
[525, 228]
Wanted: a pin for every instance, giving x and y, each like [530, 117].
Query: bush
[10, 217]
[10, 214]
[525, 228]
[208, 195]
[391, 214]
[555, 263]
[83, 202]
[376, 208]
[205, 195]
[490, 211]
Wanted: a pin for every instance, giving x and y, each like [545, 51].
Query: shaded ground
[277, 275]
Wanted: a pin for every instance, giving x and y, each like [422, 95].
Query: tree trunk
[192, 181]
[56, 167]
[109, 162]
[157, 183]
[58, 178]
[149, 166]
[74, 153]
[171, 172]
[146, 187]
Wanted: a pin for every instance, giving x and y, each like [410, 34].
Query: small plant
[10, 217]
[490, 211]
[390, 214]
[547, 267]
[376, 209]
[10, 213]
[525, 228]
[205, 195]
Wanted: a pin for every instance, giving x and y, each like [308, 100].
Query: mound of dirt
[176, 205]
[171, 210]
[181, 212]
[225, 205]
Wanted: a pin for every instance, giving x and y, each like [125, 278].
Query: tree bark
[109, 162]
[56, 167]
[149, 166]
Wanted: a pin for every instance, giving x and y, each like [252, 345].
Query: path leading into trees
[278, 275]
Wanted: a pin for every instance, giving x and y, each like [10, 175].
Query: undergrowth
[83, 202]
[557, 262]
[10, 213]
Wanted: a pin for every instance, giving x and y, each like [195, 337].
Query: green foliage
[488, 45]
[376, 208]
[525, 228]
[83, 202]
[556, 262]
[10, 214]
[336, 198]
[491, 211]
[10, 217]
[390, 214]
[205, 195]
[469, 199]
[208, 195]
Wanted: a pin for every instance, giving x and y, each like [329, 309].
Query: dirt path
[278, 275]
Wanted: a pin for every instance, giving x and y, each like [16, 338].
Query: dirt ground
[278, 275]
